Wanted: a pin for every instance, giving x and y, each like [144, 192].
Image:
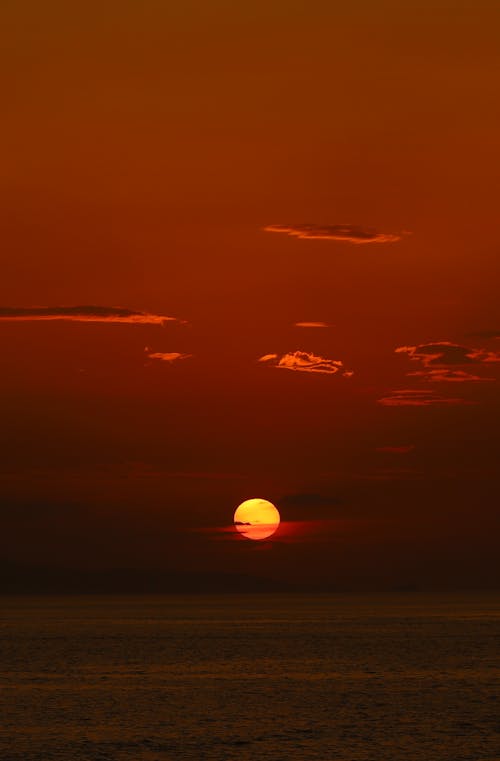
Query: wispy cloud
[345, 233]
[312, 325]
[401, 449]
[167, 356]
[442, 362]
[268, 357]
[410, 397]
[304, 361]
[443, 353]
[446, 375]
[83, 314]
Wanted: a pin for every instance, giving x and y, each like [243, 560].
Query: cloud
[346, 233]
[83, 314]
[402, 449]
[443, 362]
[311, 506]
[312, 325]
[167, 356]
[309, 499]
[290, 531]
[391, 474]
[305, 362]
[444, 353]
[447, 375]
[410, 397]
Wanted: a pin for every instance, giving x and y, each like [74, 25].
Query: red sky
[243, 167]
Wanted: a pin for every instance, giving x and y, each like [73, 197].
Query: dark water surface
[253, 677]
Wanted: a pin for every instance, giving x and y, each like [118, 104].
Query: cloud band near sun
[305, 362]
[83, 314]
[345, 233]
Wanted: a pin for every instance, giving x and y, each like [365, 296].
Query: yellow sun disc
[256, 518]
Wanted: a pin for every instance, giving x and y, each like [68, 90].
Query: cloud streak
[312, 325]
[344, 233]
[305, 362]
[84, 313]
[167, 356]
[410, 397]
[446, 375]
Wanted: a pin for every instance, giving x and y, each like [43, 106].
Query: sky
[251, 250]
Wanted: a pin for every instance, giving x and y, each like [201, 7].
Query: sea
[332, 677]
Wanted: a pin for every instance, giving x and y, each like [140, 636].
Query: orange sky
[243, 167]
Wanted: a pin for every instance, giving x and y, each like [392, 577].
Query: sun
[256, 518]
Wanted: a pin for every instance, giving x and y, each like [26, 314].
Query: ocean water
[250, 677]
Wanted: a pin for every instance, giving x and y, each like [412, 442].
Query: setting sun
[256, 519]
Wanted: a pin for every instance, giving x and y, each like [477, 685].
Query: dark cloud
[83, 314]
[346, 233]
[445, 353]
[443, 362]
[309, 500]
[309, 506]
